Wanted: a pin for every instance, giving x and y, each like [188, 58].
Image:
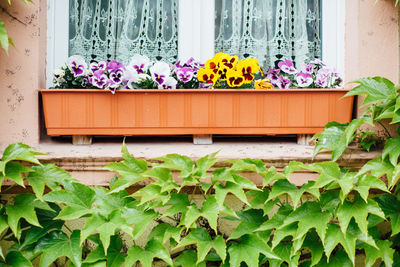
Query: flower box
[80, 112]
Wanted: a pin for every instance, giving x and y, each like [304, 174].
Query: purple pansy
[159, 72]
[273, 75]
[99, 79]
[283, 82]
[95, 66]
[318, 62]
[287, 66]
[77, 65]
[308, 68]
[185, 74]
[114, 65]
[169, 83]
[323, 77]
[116, 76]
[304, 79]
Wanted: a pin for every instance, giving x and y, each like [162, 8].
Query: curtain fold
[118, 29]
[269, 30]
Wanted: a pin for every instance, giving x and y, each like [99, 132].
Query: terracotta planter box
[193, 112]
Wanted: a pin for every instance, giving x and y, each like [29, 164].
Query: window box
[79, 112]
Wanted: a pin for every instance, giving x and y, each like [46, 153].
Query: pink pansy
[169, 83]
[304, 79]
[77, 65]
[283, 82]
[99, 79]
[287, 66]
[185, 74]
[140, 63]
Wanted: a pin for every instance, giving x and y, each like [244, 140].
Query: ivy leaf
[250, 220]
[376, 89]
[151, 192]
[366, 182]
[57, 244]
[390, 205]
[201, 238]
[271, 176]
[392, 149]
[137, 216]
[13, 171]
[164, 179]
[76, 194]
[178, 203]
[384, 252]
[334, 236]
[305, 216]
[209, 211]
[236, 189]
[178, 162]
[243, 165]
[18, 151]
[285, 187]
[153, 249]
[4, 39]
[204, 164]
[16, 258]
[359, 210]
[314, 244]
[340, 259]
[378, 167]
[248, 250]
[186, 259]
[222, 175]
[47, 175]
[277, 219]
[24, 207]
[284, 252]
[164, 232]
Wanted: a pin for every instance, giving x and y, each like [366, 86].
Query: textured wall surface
[371, 48]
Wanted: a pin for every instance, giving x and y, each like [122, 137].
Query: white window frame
[196, 34]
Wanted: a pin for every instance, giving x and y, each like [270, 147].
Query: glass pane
[269, 30]
[118, 29]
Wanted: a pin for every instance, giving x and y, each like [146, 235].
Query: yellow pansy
[222, 71]
[229, 61]
[234, 78]
[207, 76]
[247, 67]
[263, 84]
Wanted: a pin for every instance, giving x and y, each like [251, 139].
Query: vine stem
[12, 16]
[384, 127]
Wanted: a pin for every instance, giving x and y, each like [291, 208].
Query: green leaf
[392, 149]
[164, 232]
[201, 238]
[178, 162]
[366, 182]
[204, 164]
[314, 244]
[248, 250]
[305, 216]
[236, 189]
[378, 167]
[153, 249]
[47, 175]
[138, 217]
[151, 192]
[339, 259]
[334, 236]
[277, 219]
[243, 165]
[250, 220]
[222, 175]
[57, 244]
[164, 179]
[376, 89]
[209, 211]
[186, 259]
[384, 252]
[4, 39]
[24, 207]
[284, 252]
[178, 203]
[18, 151]
[16, 258]
[390, 205]
[75, 194]
[359, 210]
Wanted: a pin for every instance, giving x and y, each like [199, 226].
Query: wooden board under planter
[193, 112]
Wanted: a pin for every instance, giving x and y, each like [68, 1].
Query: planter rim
[194, 90]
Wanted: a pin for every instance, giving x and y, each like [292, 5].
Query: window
[170, 29]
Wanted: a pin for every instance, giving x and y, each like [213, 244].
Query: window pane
[118, 29]
[269, 30]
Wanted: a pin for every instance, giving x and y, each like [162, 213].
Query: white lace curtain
[118, 29]
[269, 30]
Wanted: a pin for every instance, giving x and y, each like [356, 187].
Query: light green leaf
[14, 172]
[285, 187]
[164, 232]
[222, 175]
[4, 39]
[178, 203]
[378, 167]
[178, 162]
[366, 182]
[284, 252]
[243, 165]
[376, 89]
[24, 207]
[75, 194]
[248, 250]
[204, 164]
[57, 244]
[334, 236]
[384, 252]
[209, 211]
[164, 179]
[277, 219]
[18, 151]
[359, 210]
[221, 192]
[392, 149]
[153, 249]
[138, 217]
[201, 238]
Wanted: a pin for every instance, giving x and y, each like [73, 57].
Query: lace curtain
[118, 29]
[269, 30]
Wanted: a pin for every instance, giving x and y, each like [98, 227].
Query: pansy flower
[77, 65]
[323, 77]
[140, 63]
[229, 61]
[318, 62]
[185, 74]
[234, 78]
[212, 64]
[207, 76]
[222, 71]
[273, 75]
[304, 79]
[248, 67]
[287, 66]
[169, 83]
[159, 72]
[95, 66]
[130, 76]
[114, 65]
[99, 79]
[59, 75]
[283, 82]
[308, 68]
[263, 84]
[116, 76]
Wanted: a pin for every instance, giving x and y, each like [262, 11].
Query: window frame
[196, 34]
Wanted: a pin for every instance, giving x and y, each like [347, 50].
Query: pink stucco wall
[371, 48]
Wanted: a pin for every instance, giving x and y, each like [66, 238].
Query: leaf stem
[386, 130]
